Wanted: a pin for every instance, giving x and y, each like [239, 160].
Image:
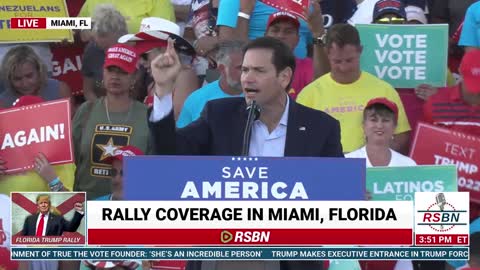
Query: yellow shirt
[345, 102]
[31, 181]
[133, 11]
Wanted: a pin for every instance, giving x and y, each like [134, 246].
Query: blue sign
[243, 178]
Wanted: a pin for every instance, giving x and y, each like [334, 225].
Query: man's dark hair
[282, 55]
[343, 34]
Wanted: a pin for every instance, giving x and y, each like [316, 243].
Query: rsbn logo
[441, 216]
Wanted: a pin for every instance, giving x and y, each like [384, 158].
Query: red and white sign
[292, 6]
[67, 65]
[440, 146]
[51, 23]
[40, 128]
[208, 223]
[442, 218]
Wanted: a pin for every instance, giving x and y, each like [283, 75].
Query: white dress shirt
[265, 144]
[262, 143]
[45, 221]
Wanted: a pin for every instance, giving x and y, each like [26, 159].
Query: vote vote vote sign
[405, 55]
[243, 178]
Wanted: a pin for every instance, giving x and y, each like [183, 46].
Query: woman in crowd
[379, 122]
[23, 73]
[108, 26]
[102, 126]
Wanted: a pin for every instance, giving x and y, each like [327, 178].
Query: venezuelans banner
[32, 9]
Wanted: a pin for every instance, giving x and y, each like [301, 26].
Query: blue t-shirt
[193, 106]
[227, 16]
[470, 35]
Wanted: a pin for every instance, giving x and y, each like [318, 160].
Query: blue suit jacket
[219, 131]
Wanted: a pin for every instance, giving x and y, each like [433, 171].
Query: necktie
[40, 226]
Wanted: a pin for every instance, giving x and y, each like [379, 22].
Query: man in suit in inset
[46, 223]
[284, 128]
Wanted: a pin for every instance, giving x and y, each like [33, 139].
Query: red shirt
[448, 109]
[302, 77]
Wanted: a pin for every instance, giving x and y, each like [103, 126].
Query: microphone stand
[253, 114]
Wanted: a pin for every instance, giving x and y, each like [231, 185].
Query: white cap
[415, 13]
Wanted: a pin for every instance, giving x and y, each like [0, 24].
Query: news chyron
[51, 23]
[48, 218]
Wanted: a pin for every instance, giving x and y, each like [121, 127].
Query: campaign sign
[405, 55]
[32, 9]
[292, 6]
[450, 148]
[243, 178]
[67, 65]
[40, 128]
[401, 183]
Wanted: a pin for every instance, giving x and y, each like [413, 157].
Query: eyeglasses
[115, 172]
[393, 20]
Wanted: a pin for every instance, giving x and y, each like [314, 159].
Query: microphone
[253, 111]
[440, 198]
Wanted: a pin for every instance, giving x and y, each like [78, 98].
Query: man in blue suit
[284, 127]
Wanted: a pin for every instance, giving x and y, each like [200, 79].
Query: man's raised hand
[165, 68]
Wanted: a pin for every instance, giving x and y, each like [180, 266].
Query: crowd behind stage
[177, 77]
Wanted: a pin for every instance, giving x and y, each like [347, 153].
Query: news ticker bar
[242, 253]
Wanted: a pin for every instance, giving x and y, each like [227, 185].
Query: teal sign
[405, 55]
[401, 183]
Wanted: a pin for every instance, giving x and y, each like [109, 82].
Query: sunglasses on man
[391, 20]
